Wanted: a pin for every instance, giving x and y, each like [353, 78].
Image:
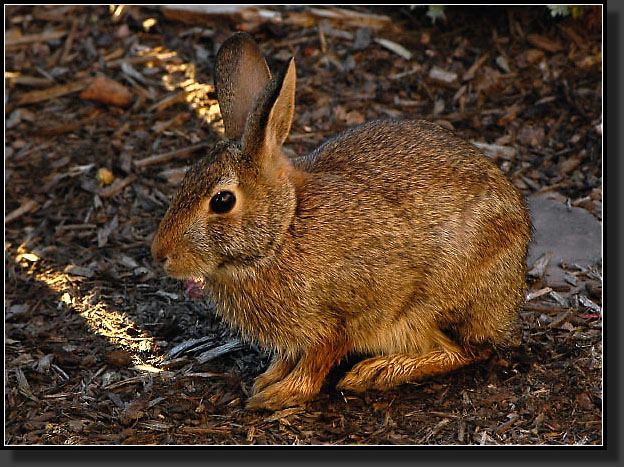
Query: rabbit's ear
[269, 122]
[241, 73]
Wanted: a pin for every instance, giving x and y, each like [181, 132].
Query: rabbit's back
[403, 155]
[422, 170]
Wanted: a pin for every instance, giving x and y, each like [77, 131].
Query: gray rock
[572, 235]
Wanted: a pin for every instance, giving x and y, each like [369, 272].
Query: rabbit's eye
[222, 202]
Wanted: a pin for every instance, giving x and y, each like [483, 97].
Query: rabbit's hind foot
[384, 372]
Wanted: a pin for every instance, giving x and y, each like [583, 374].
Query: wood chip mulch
[107, 106]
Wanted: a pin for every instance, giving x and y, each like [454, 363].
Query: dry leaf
[107, 91]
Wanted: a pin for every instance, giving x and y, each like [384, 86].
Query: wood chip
[33, 97]
[560, 299]
[534, 55]
[169, 295]
[174, 176]
[513, 418]
[165, 157]
[394, 47]
[496, 151]
[544, 42]
[351, 17]
[24, 80]
[470, 73]
[538, 293]
[586, 302]
[590, 61]
[132, 412]
[178, 120]
[27, 206]
[31, 38]
[168, 101]
[199, 14]
[283, 414]
[105, 231]
[226, 348]
[187, 345]
[204, 429]
[69, 42]
[570, 164]
[438, 74]
[23, 385]
[116, 186]
[119, 358]
[15, 311]
[510, 114]
[205, 374]
[78, 271]
[539, 266]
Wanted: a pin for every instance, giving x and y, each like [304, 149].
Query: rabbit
[396, 241]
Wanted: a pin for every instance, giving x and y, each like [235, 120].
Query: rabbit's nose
[161, 259]
[160, 256]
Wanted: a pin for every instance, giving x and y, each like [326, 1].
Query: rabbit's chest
[268, 316]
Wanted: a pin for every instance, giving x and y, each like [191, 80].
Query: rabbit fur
[397, 240]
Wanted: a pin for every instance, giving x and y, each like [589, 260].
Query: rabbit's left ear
[268, 124]
[241, 74]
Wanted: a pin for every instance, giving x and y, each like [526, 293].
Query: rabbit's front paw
[279, 368]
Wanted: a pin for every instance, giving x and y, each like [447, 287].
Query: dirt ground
[102, 348]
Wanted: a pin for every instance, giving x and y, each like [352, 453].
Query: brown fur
[395, 239]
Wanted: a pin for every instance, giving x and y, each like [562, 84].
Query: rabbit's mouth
[194, 287]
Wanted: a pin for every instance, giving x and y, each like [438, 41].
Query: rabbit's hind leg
[385, 371]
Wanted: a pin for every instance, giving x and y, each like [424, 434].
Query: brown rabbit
[396, 239]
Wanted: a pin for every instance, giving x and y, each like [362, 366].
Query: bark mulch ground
[102, 348]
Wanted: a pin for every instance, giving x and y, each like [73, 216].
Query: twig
[167, 156]
[40, 37]
[26, 207]
[321, 35]
[475, 66]
[33, 97]
[60, 129]
[215, 352]
[403, 74]
[295, 41]
[69, 42]
[353, 18]
[34, 81]
[116, 186]
[513, 418]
